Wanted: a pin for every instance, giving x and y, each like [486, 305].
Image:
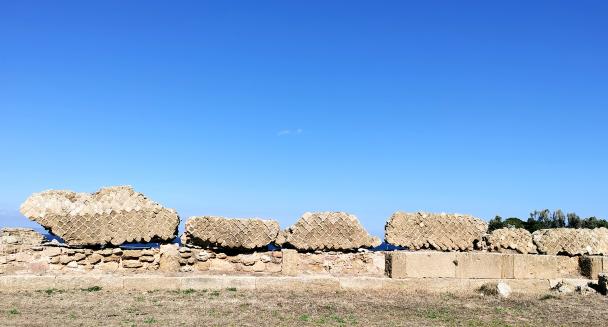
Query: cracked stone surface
[572, 241]
[236, 233]
[329, 231]
[444, 232]
[112, 215]
[517, 239]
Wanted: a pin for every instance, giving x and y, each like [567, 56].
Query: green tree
[574, 221]
[558, 219]
[495, 223]
[515, 222]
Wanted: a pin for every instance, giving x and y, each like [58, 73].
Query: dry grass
[233, 307]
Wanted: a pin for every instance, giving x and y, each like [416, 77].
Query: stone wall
[322, 244]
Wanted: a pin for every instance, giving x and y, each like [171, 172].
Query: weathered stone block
[289, 266]
[444, 232]
[402, 264]
[329, 231]
[527, 266]
[169, 258]
[112, 215]
[230, 233]
[484, 265]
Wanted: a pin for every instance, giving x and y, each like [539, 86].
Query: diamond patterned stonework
[230, 232]
[517, 239]
[329, 231]
[112, 215]
[444, 232]
[572, 241]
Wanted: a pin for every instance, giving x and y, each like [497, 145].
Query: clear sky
[274, 108]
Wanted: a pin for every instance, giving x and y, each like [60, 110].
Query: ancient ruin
[444, 232]
[230, 233]
[329, 231]
[321, 251]
[112, 215]
[572, 241]
[516, 239]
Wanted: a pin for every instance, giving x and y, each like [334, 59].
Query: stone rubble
[443, 232]
[112, 215]
[14, 240]
[329, 231]
[230, 233]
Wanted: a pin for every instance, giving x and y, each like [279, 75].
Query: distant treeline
[544, 219]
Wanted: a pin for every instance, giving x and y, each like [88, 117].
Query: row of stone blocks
[427, 271]
[116, 215]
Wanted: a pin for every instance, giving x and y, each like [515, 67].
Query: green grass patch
[13, 312]
[304, 317]
[150, 320]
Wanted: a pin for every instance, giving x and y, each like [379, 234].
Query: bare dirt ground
[233, 307]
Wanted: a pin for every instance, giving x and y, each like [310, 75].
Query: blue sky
[274, 108]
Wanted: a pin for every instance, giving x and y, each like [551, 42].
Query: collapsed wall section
[112, 215]
[444, 232]
[333, 231]
[572, 241]
[230, 233]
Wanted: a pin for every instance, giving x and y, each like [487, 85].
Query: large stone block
[329, 231]
[517, 239]
[230, 233]
[112, 215]
[572, 241]
[402, 264]
[444, 232]
[289, 263]
[528, 266]
[484, 265]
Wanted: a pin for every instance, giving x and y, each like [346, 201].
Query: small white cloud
[290, 132]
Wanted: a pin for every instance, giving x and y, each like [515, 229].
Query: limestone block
[517, 239]
[484, 265]
[289, 266]
[444, 232]
[329, 231]
[528, 266]
[169, 258]
[402, 264]
[230, 232]
[112, 215]
[221, 265]
[131, 264]
[572, 241]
